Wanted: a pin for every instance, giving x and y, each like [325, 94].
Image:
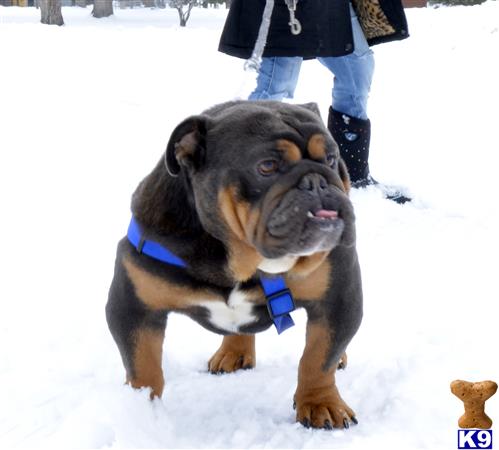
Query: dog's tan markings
[236, 352]
[318, 402]
[233, 212]
[158, 294]
[317, 147]
[255, 295]
[147, 356]
[311, 285]
[243, 260]
[290, 150]
[307, 264]
[241, 221]
[345, 178]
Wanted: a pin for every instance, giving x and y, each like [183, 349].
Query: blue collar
[279, 299]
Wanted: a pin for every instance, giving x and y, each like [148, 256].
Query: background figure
[339, 34]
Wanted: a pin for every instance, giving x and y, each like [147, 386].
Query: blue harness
[279, 299]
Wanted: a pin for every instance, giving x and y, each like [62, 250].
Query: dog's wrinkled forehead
[254, 122]
[258, 118]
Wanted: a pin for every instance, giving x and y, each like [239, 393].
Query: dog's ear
[345, 178]
[186, 147]
[312, 106]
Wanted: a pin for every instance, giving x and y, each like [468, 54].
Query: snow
[85, 113]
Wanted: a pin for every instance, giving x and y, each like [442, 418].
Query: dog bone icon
[474, 396]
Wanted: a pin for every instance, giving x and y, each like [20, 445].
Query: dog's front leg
[145, 369]
[236, 352]
[139, 333]
[317, 400]
[141, 348]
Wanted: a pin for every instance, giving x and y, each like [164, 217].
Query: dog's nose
[313, 182]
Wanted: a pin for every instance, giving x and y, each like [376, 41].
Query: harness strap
[279, 299]
[151, 248]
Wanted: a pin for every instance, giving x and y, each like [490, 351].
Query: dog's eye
[330, 159]
[268, 167]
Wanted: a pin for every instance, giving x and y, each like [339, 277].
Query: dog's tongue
[326, 214]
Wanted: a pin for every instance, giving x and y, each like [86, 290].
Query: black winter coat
[326, 27]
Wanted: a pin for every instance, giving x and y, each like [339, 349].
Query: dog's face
[265, 173]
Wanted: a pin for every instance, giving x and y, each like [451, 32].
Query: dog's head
[266, 174]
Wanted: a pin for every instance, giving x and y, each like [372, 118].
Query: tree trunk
[181, 16]
[51, 12]
[102, 8]
[184, 15]
[81, 3]
[149, 3]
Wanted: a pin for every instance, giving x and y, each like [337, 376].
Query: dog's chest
[231, 315]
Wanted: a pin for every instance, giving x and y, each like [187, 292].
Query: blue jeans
[353, 74]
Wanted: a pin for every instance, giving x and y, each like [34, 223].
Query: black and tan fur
[211, 201]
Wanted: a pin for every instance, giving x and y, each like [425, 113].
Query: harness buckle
[280, 303]
[140, 245]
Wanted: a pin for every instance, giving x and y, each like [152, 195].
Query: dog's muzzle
[303, 213]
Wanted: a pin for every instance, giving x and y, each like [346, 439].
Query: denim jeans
[353, 74]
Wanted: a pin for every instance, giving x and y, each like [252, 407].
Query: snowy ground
[85, 112]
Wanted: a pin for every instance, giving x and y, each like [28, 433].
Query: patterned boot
[353, 137]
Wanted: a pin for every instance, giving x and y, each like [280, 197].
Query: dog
[245, 217]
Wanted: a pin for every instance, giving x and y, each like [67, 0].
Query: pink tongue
[326, 213]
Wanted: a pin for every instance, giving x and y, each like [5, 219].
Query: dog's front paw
[236, 352]
[323, 408]
[222, 362]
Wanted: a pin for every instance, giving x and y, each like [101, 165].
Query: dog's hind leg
[236, 352]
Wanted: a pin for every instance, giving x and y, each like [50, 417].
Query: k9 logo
[474, 439]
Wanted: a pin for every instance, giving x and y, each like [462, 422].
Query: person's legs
[277, 78]
[348, 121]
[353, 75]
